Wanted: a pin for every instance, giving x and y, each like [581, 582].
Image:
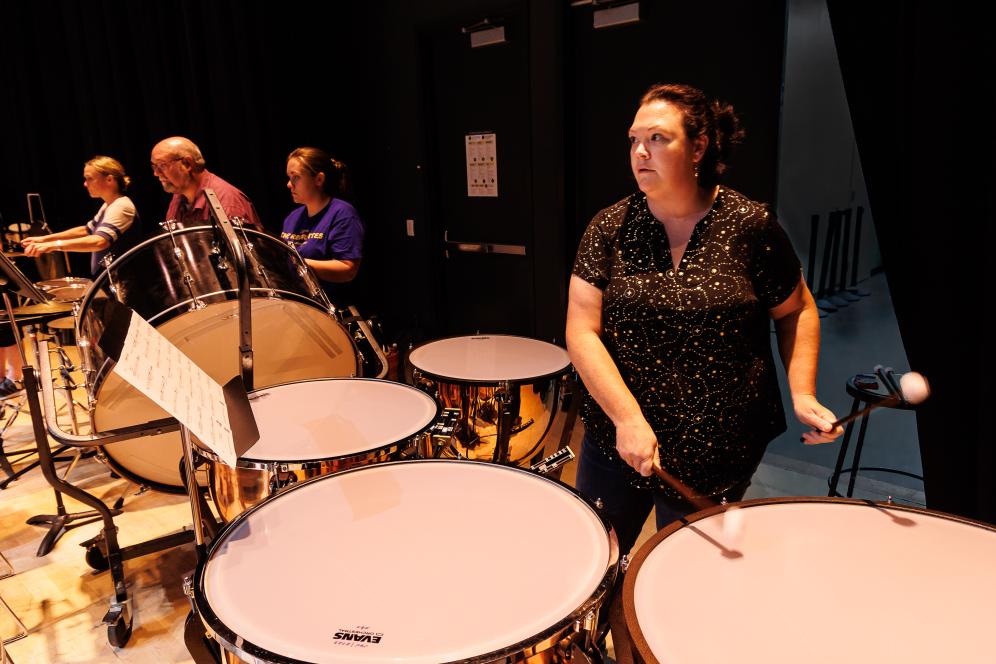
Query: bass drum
[185, 284]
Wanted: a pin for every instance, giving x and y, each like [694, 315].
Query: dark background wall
[115, 77]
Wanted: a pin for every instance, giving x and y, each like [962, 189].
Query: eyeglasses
[160, 166]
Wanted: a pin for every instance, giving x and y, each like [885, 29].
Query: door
[484, 264]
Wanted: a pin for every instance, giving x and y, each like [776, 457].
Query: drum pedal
[554, 461]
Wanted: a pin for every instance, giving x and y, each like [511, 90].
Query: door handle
[483, 247]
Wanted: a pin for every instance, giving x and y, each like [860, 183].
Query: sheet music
[161, 372]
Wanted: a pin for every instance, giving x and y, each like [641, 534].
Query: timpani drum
[814, 580]
[410, 562]
[184, 283]
[317, 427]
[482, 377]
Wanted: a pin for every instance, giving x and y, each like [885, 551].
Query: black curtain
[246, 81]
[920, 89]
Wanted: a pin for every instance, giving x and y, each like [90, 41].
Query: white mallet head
[914, 387]
[733, 524]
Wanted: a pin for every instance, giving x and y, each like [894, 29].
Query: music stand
[40, 227]
[19, 283]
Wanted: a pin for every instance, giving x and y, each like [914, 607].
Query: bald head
[179, 164]
[179, 147]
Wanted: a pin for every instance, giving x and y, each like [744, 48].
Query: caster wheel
[119, 633]
[96, 559]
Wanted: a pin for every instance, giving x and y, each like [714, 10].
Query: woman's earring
[696, 170]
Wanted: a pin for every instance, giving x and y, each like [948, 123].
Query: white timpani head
[322, 419]
[490, 358]
[416, 561]
[818, 581]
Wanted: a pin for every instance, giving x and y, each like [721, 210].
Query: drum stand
[104, 552]
[202, 647]
[62, 521]
[5, 463]
[363, 335]
[506, 419]
[5, 460]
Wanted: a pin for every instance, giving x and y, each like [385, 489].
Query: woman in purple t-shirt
[326, 230]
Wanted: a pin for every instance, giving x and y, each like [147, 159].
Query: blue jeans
[626, 506]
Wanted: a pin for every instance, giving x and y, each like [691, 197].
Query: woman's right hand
[636, 444]
[33, 240]
[38, 248]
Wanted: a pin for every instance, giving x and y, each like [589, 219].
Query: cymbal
[71, 293]
[62, 282]
[43, 308]
[66, 323]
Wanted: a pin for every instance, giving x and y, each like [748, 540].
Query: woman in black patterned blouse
[668, 323]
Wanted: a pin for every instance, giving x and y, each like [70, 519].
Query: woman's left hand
[813, 414]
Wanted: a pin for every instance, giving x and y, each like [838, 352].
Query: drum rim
[251, 463]
[131, 476]
[250, 651]
[629, 578]
[102, 275]
[489, 383]
[232, 295]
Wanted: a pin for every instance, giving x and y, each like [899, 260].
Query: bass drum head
[291, 342]
[408, 562]
[814, 580]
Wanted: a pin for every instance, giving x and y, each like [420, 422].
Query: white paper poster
[482, 165]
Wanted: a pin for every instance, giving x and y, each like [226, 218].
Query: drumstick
[700, 502]
[913, 389]
[732, 519]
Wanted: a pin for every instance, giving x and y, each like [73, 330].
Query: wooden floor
[61, 600]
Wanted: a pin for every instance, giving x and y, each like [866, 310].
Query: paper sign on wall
[482, 165]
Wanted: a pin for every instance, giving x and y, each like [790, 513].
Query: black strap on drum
[245, 295]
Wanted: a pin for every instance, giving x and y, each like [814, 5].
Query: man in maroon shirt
[180, 167]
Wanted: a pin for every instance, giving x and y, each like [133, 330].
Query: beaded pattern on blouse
[693, 344]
